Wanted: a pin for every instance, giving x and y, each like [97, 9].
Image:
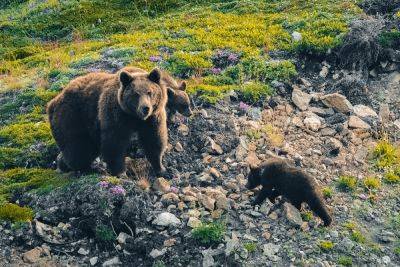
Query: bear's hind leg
[80, 153]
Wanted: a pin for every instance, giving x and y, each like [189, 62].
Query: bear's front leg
[113, 150]
[154, 138]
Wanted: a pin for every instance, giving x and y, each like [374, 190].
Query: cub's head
[254, 177]
[179, 100]
[139, 94]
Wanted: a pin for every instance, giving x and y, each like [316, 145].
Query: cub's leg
[266, 192]
[154, 138]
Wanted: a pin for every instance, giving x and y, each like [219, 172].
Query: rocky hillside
[315, 83]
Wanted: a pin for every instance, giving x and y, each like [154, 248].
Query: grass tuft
[209, 233]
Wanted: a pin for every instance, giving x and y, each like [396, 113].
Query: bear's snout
[188, 112]
[144, 111]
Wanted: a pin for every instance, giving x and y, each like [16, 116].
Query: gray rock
[301, 99]
[122, 237]
[155, 253]
[364, 111]
[112, 262]
[357, 123]
[386, 237]
[231, 244]
[83, 251]
[166, 219]
[270, 250]
[93, 261]
[338, 102]
[292, 214]
[208, 260]
[313, 122]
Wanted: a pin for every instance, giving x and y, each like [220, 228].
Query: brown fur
[178, 99]
[277, 178]
[97, 113]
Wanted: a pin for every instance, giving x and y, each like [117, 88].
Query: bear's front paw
[162, 171]
[122, 176]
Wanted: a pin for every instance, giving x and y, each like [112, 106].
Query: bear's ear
[125, 78]
[155, 75]
[253, 167]
[171, 93]
[182, 87]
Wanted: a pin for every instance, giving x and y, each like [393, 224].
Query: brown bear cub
[178, 99]
[97, 113]
[278, 178]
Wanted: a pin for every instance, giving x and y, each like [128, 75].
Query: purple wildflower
[243, 106]
[173, 189]
[233, 58]
[104, 184]
[117, 190]
[155, 58]
[215, 71]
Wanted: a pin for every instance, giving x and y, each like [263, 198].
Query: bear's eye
[149, 93]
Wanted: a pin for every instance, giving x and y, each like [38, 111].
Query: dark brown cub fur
[277, 178]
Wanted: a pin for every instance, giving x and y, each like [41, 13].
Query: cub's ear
[171, 93]
[182, 87]
[125, 78]
[155, 75]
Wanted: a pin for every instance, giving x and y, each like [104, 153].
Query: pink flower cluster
[114, 189]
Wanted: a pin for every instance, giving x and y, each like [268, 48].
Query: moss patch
[14, 213]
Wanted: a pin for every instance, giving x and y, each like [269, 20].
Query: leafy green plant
[255, 91]
[209, 233]
[327, 192]
[357, 236]
[250, 246]
[345, 261]
[307, 216]
[385, 155]
[392, 177]
[104, 233]
[347, 183]
[14, 213]
[372, 183]
[326, 245]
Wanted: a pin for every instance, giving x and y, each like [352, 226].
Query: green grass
[104, 233]
[327, 192]
[326, 245]
[386, 155]
[347, 183]
[250, 246]
[372, 183]
[307, 216]
[209, 233]
[345, 261]
[14, 213]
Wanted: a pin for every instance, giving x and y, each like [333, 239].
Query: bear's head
[179, 100]
[254, 177]
[140, 94]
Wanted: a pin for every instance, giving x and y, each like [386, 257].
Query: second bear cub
[277, 178]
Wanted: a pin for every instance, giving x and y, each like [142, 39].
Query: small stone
[231, 244]
[170, 197]
[266, 207]
[214, 172]
[324, 72]
[193, 222]
[161, 185]
[266, 235]
[183, 129]
[386, 260]
[292, 214]
[313, 123]
[301, 99]
[207, 202]
[169, 242]
[112, 262]
[32, 256]
[122, 237]
[214, 147]
[364, 111]
[222, 202]
[208, 260]
[357, 123]
[273, 215]
[83, 251]
[387, 237]
[296, 36]
[179, 147]
[338, 102]
[270, 250]
[384, 113]
[155, 253]
[166, 219]
[93, 261]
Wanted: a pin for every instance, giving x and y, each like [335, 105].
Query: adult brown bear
[96, 114]
[178, 99]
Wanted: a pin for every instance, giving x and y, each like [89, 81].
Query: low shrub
[326, 245]
[347, 183]
[209, 233]
[14, 213]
